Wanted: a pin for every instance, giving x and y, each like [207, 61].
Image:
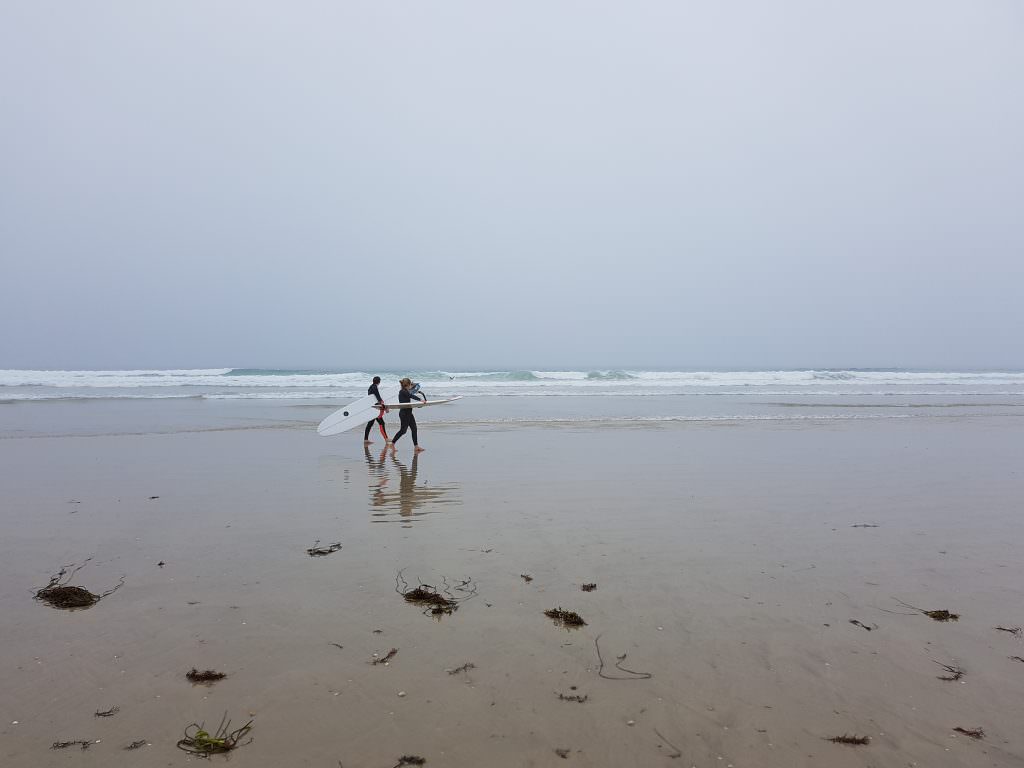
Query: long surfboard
[357, 412]
[418, 404]
[366, 409]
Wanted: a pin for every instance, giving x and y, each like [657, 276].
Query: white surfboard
[357, 412]
[366, 409]
[418, 404]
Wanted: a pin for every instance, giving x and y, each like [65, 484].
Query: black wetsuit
[380, 419]
[405, 415]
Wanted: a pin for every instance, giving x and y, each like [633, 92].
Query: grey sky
[530, 184]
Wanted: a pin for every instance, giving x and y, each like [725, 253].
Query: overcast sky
[511, 185]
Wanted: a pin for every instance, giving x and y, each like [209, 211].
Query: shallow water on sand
[726, 555]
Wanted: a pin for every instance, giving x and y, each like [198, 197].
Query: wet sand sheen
[726, 561]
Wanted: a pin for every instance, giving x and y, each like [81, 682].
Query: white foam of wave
[630, 382]
[342, 395]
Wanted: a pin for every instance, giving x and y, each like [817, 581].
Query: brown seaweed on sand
[385, 658]
[974, 733]
[563, 753]
[854, 740]
[1015, 631]
[207, 676]
[588, 587]
[526, 577]
[577, 698]
[83, 743]
[939, 615]
[565, 618]
[862, 625]
[434, 601]
[410, 760]
[136, 744]
[198, 741]
[317, 551]
[1016, 658]
[60, 594]
[464, 668]
[107, 712]
[954, 672]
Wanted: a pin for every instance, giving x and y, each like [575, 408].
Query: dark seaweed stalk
[955, 672]
[618, 665]
[318, 551]
[855, 740]
[386, 657]
[84, 743]
[974, 733]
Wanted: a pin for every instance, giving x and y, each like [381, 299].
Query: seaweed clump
[588, 587]
[434, 601]
[59, 594]
[206, 676]
[974, 733]
[410, 760]
[939, 615]
[854, 740]
[198, 741]
[565, 618]
[317, 551]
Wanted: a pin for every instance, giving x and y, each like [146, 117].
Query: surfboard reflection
[411, 498]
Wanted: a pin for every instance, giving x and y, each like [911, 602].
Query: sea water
[641, 397]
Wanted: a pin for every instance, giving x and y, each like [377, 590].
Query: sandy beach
[731, 562]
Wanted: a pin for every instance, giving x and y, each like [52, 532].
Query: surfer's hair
[405, 382]
[376, 379]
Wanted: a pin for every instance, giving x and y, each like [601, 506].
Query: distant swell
[609, 376]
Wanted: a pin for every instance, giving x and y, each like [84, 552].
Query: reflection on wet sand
[409, 500]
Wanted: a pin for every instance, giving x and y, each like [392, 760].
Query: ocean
[270, 384]
[554, 397]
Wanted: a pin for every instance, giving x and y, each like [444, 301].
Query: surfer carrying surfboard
[406, 395]
[380, 419]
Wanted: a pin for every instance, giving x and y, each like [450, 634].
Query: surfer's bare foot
[419, 450]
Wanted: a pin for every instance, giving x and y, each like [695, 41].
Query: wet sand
[725, 555]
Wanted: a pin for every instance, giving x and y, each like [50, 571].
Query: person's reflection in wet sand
[410, 498]
[378, 476]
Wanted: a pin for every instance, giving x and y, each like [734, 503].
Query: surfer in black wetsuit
[380, 419]
[406, 395]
